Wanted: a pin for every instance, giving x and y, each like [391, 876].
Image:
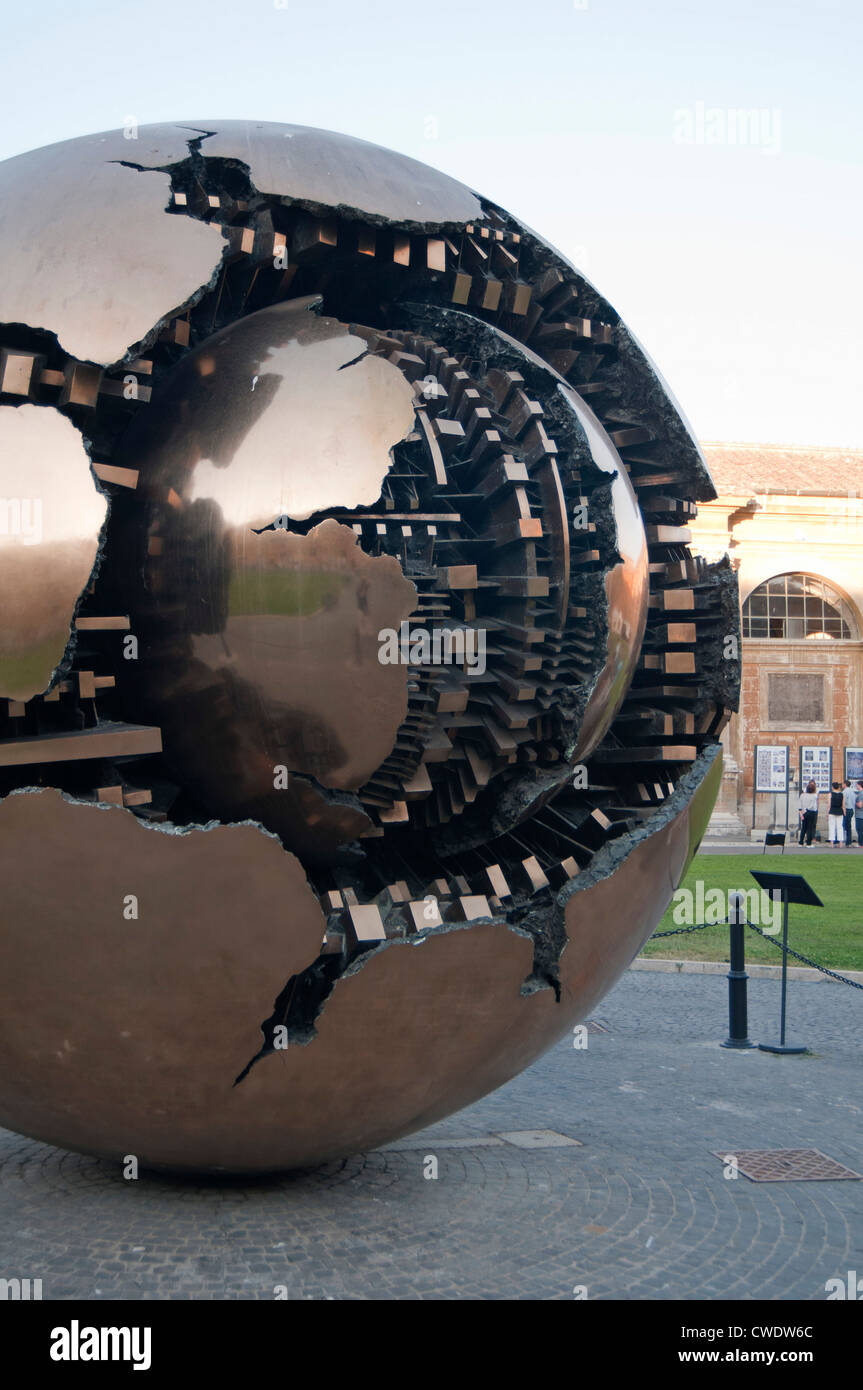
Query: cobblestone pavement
[638, 1208]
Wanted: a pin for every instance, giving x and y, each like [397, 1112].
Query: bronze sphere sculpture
[359, 694]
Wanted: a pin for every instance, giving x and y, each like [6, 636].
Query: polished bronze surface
[273, 417]
[424, 1026]
[285, 673]
[626, 585]
[338, 171]
[124, 264]
[166, 952]
[367, 638]
[273, 660]
[51, 516]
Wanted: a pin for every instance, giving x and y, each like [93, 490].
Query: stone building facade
[792, 521]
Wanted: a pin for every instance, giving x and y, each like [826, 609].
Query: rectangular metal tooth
[503, 472]
[660, 753]
[111, 796]
[491, 293]
[559, 874]
[672, 663]
[107, 741]
[473, 253]
[502, 742]
[178, 331]
[408, 363]
[139, 797]
[673, 600]
[81, 385]
[524, 529]
[474, 420]
[364, 925]
[468, 908]
[495, 880]
[521, 586]
[674, 634]
[504, 261]
[537, 445]
[419, 785]
[435, 253]
[517, 297]
[635, 434]
[449, 434]
[533, 873]
[567, 328]
[668, 535]
[523, 412]
[122, 477]
[20, 372]
[487, 446]
[425, 915]
[461, 288]
[548, 282]
[470, 401]
[312, 238]
[437, 747]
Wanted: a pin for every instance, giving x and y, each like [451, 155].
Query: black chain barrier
[843, 979]
[700, 926]
[680, 931]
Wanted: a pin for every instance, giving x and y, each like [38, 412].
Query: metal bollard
[738, 1020]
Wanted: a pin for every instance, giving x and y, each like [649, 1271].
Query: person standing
[836, 816]
[849, 797]
[807, 809]
[858, 813]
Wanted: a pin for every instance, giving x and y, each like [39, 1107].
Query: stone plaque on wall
[795, 699]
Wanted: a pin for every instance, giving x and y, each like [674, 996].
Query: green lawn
[832, 935]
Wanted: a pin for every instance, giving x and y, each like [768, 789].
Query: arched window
[796, 606]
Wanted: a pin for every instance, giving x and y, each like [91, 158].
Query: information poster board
[771, 767]
[854, 764]
[816, 765]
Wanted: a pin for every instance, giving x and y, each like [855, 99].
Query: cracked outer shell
[121, 264]
[124, 1036]
[339, 171]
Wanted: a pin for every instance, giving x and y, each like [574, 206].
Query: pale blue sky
[738, 267]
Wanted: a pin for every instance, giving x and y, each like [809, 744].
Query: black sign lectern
[793, 888]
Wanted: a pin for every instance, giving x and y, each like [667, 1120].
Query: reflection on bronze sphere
[350, 761]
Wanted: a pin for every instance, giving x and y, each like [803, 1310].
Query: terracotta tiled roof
[754, 468]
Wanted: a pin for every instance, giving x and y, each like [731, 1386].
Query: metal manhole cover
[538, 1139]
[789, 1165]
[597, 1025]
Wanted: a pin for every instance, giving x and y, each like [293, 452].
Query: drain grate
[789, 1165]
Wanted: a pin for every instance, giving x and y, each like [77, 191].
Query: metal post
[782, 1045]
[738, 1025]
[784, 968]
